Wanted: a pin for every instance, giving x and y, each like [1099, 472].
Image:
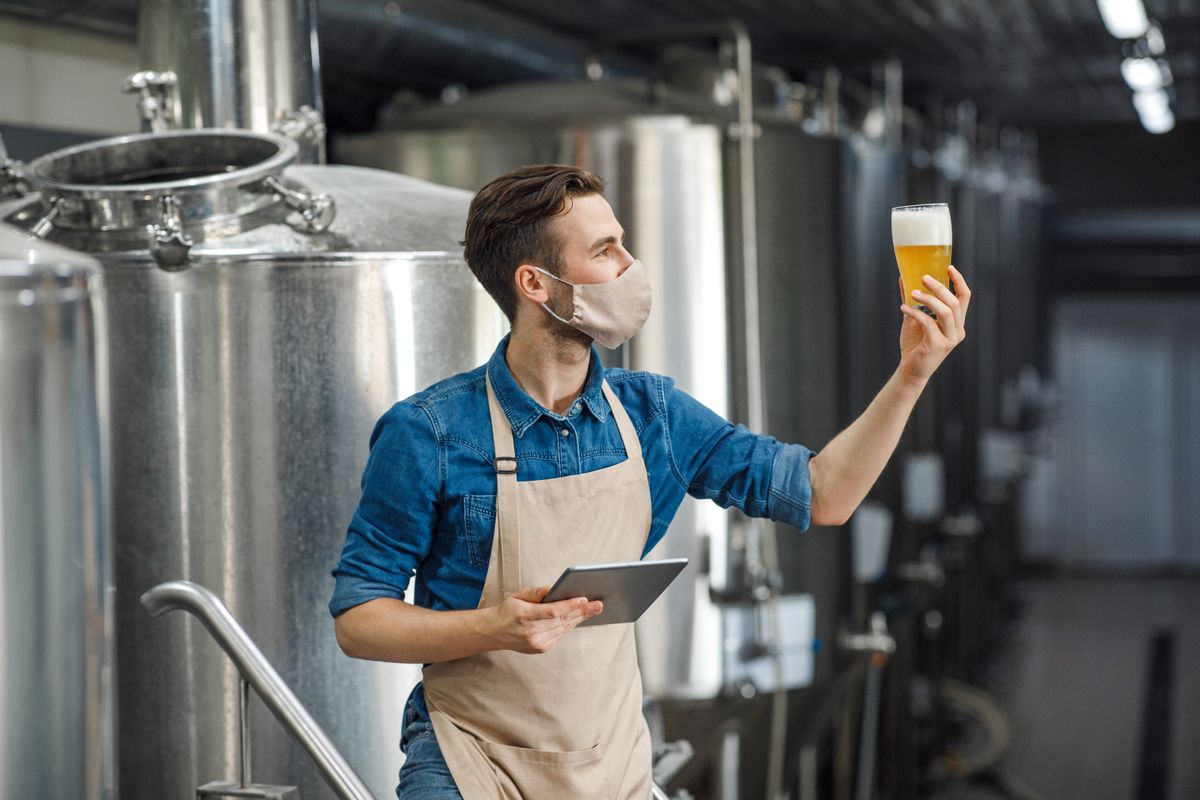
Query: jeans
[424, 775]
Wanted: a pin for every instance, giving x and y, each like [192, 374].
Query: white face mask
[610, 312]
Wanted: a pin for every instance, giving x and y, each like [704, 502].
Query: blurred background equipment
[1032, 546]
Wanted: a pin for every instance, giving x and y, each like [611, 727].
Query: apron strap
[629, 437]
[508, 521]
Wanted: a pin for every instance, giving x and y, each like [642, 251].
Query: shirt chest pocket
[479, 522]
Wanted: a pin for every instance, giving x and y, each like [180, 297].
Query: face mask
[610, 312]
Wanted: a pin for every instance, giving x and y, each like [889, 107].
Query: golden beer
[921, 237]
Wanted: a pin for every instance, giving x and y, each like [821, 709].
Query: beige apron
[567, 723]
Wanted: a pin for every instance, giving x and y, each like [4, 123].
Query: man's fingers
[561, 609]
[921, 318]
[531, 594]
[961, 289]
[945, 315]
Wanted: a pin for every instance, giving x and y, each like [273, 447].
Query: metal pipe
[257, 671]
[248, 64]
[761, 556]
[244, 731]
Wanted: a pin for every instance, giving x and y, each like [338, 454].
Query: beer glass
[922, 240]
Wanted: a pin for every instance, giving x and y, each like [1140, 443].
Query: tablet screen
[626, 589]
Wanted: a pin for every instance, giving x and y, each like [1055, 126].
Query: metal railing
[255, 671]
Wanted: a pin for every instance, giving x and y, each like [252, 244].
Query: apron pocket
[535, 774]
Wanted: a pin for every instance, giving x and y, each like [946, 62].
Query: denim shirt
[428, 504]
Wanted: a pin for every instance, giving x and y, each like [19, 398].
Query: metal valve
[171, 245]
[317, 211]
[927, 570]
[876, 642]
[156, 103]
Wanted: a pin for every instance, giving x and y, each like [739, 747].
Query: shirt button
[565, 432]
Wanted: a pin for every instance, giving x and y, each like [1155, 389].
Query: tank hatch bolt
[156, 101]
[318, 211]
[41, 229]
[171, 245]
[305, 124]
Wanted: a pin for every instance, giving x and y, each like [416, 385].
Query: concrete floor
[1072, 680]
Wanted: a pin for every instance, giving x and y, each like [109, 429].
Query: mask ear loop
[547, 308]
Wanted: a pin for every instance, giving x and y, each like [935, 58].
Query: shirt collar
[522, 410]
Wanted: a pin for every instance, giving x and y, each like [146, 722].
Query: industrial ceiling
[1032, 62]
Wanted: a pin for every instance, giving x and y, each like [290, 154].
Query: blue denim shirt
[428, 502]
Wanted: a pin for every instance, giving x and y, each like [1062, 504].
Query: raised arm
[846, 469]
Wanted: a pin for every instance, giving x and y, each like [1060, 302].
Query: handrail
[256, 670]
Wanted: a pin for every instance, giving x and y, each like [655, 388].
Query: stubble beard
[563, 338]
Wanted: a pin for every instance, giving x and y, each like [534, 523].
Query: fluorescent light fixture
[1160, 124]
[1142, 74]
[1152, 103]
[1125, 19]
[1154, 110]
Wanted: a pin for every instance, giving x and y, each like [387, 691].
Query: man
[488, 484]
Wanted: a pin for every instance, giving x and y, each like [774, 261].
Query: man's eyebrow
[605, 240]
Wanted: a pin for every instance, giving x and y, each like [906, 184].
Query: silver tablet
[626, 589]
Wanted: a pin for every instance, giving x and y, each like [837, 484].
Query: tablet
[626, 589]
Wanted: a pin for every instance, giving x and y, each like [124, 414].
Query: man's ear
[531, 284]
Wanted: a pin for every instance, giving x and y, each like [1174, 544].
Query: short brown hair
[508, 225]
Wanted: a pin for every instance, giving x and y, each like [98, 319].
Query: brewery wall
[62, 78]
[1121, 244]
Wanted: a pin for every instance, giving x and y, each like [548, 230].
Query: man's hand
[924, 341]
[525, 624]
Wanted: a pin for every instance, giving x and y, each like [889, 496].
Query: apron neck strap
[508, 524]
[629, 438]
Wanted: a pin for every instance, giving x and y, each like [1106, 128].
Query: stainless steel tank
[263, 316]
[56, 737]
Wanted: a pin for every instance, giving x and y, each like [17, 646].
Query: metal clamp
[12, 182]
[41, 229]
[302, 125]
[318, 211]
[156, 103]
[171, 245]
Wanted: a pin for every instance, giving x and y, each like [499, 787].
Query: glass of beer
[922, 240]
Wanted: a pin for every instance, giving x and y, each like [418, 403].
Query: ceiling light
[1152, 103]
[1125, 19]
[1142, 74]
[1159, 124]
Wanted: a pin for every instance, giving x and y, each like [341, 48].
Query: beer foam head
[921, 225]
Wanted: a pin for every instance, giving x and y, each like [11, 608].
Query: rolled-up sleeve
[733, 466]
[392, 527]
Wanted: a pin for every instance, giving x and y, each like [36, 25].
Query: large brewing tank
[672, 176]
[255, 339]
[56, 735]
